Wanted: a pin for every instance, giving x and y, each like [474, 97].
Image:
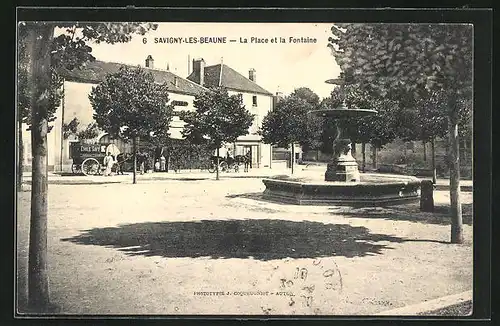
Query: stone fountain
[343, 166]
[343, 184]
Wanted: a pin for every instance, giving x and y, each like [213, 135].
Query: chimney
[252, 75]
[150, 62]
[176, 83]
[189, 65]
[199, 70]
[168, 66]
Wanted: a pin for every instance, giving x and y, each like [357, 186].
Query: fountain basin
[372, 190]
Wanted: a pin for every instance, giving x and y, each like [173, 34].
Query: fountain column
[343, 166]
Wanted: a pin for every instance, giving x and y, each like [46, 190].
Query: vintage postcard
[244, 169]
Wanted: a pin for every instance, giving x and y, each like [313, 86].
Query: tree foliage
[420, 66]
[129, 104]
[407, 62]
[54, 93]
[219, 118]
[412, 57]
[376, 129]
[69, 50]
[290, 121]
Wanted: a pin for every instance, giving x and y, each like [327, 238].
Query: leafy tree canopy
[218, 118]
[69, 50]
[290, 122]
[129, 104]
[409, 56]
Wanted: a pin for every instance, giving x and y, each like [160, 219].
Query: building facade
[255, 98]
[75, 103]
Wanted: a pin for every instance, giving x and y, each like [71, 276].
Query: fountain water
[342, 183]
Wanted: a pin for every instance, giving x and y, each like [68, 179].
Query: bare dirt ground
[212, 247]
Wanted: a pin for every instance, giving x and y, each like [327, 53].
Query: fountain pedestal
[344, 170]
[343, 166]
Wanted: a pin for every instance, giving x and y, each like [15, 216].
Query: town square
[165, 173]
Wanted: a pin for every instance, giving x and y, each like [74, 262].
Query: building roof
[228, 78]
[95, 72]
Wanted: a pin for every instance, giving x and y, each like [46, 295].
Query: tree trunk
[293, 158]
[41, 37]
[353, 149]
[456, 206]
[374, 156]
[425, 150]
[433, 149]
[363, 152]
[217, 166]
[20, 153]
[134, 150]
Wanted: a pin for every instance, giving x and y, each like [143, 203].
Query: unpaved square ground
[212, 247]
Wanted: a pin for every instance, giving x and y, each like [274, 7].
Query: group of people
[161, 164]
[112, 162]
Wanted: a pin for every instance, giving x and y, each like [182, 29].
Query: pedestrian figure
[157, 165]
[247, 161]
[163, 163]
[108, 164]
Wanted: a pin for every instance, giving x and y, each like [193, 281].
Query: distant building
[76, 88]
[255, 98]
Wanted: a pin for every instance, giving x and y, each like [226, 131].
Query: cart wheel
[236, 168]
[211, 168]
[76, 168]
[91, 167]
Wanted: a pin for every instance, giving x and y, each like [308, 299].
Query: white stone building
[77, 86]
[75, 103]
[255, 98]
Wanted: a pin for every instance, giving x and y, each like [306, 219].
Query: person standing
[163, 163]
[108, 164]
[248, 159]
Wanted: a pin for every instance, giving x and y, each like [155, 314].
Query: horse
[243, 159]
[123, 158]
[120, 160]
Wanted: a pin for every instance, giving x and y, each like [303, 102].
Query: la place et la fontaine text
[224, 39]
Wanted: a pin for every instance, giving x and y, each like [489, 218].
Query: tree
[46, 54]
[311, 135]
[413, 58]
[289, 122]
[129, 104]
[54, 94]
[89, 132]
[219, 118]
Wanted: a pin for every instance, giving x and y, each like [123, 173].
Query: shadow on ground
[412, 213]
[408, 212]
[260, 239]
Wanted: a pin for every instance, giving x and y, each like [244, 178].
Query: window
[254, 100]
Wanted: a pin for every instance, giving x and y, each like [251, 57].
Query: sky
[279, 66]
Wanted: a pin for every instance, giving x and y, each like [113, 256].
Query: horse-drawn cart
[87, 158]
